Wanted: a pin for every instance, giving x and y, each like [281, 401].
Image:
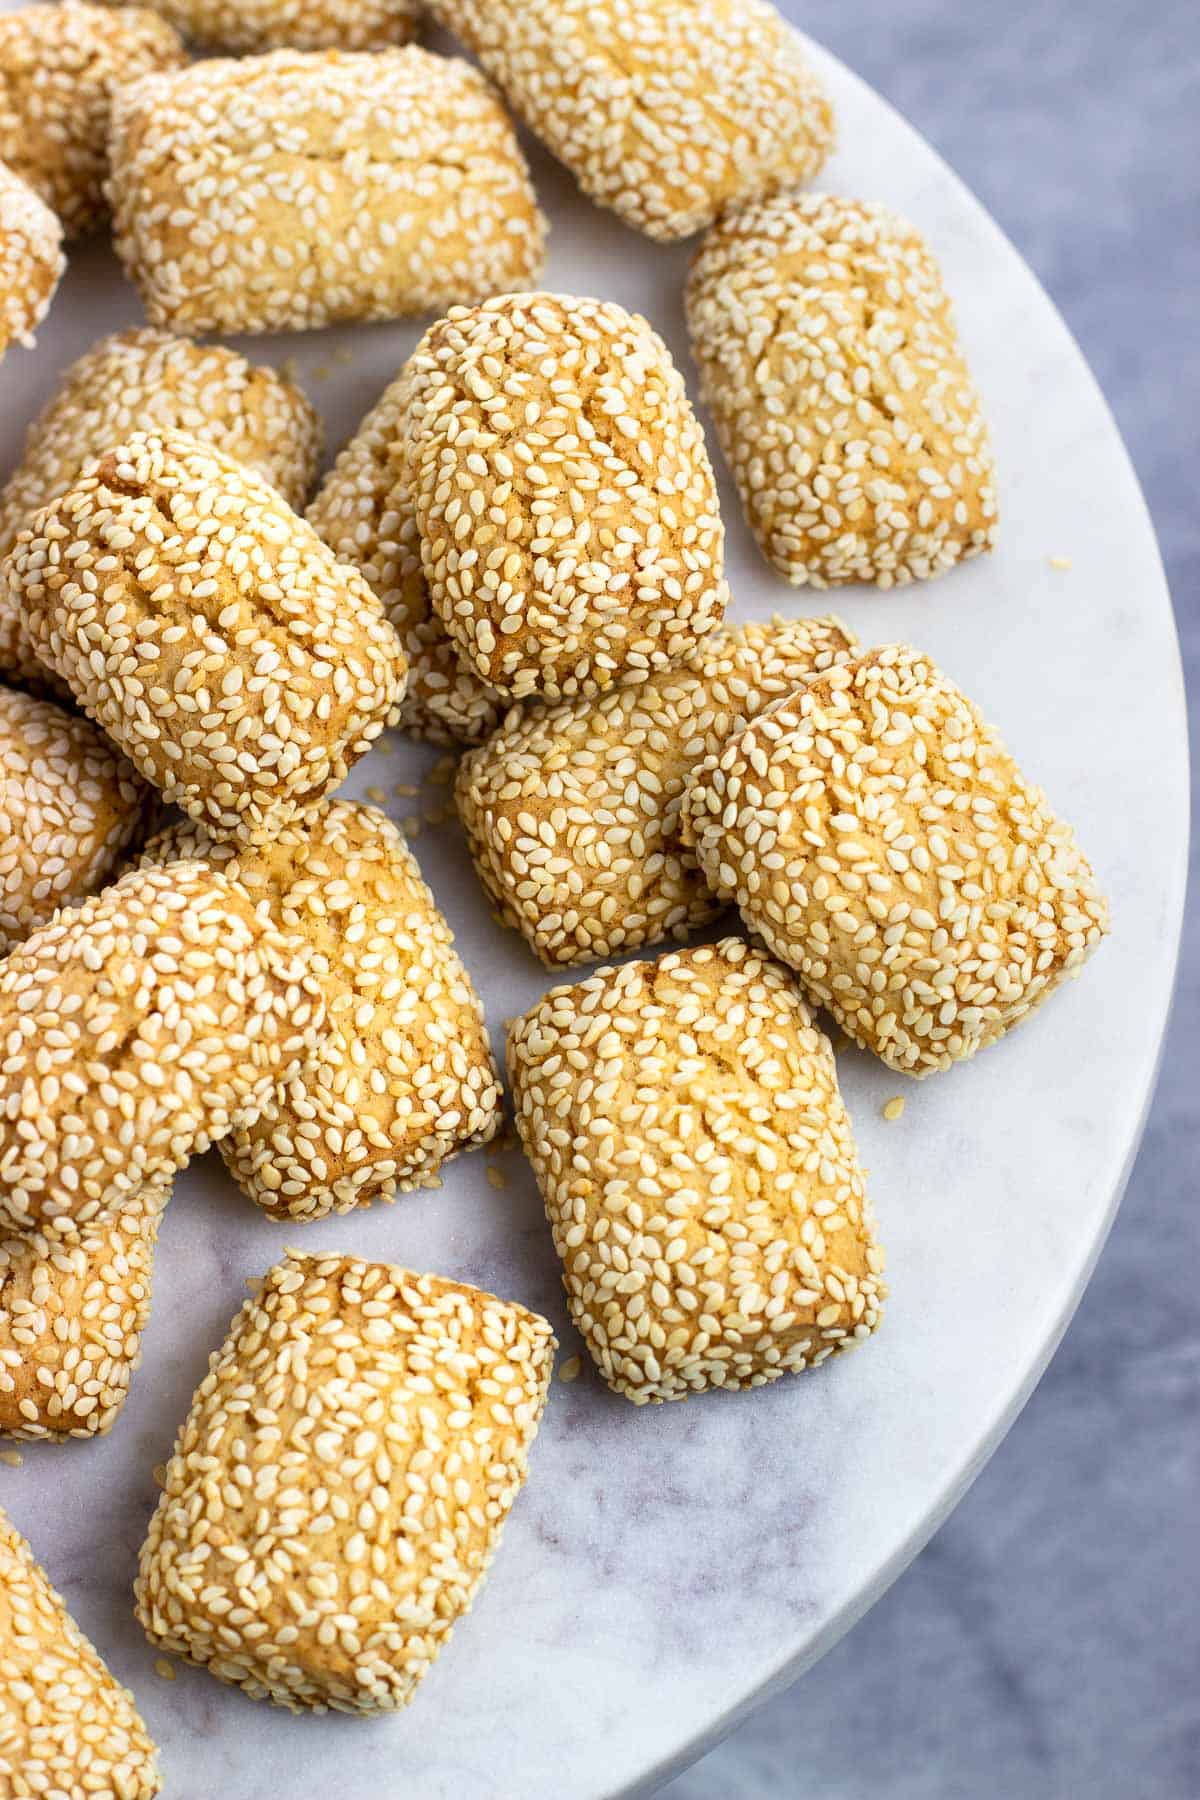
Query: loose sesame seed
[496, 1178]
[894, 1108]
[69, 1727]
[31, 259]
[134, 1032]
[410, 194]
[11, 1458]
[572, 812]
[566, 511]
[354, 1449]
[73, 808]
[164, 1668]
[828, 357]
[1060, 562]
[205, 626]
[663, 110]
[59, 69]
[571, 1369]
[876, 834]
[698, 1171]
[403, 1075]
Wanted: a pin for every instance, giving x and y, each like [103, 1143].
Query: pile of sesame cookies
[520, 554]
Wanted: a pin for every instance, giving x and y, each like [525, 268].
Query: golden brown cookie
[358, 1442]
[663, 110]
[136, 1031]
[71, 808]
[699, 1172]
[238, 26]
[572, 811]
[568, 518]
[141, 381]
[879, 838]
[364, 514]
[31, 259]
[292, 190]
[829, 360]
[59, 69]
[207, 628]
[403, 1075]
[67, 1726]
[71, 1322]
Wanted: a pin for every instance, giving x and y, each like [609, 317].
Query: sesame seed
[604, 558]
[69, 1727]
[496, 1178]
[241, 668]
[571, 1369]
[31, 259]
[894, 1107]
[59, 69]
[663, 112]
[698, 1172]
[875, 833]
[354, 1451]
[828, 357]
[572, 812]
[409, 194]
[1059, 562]
[403, 1075]
[159, 1472]
[164, 1668]
[12, 1458]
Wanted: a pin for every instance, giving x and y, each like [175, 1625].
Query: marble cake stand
[667, 1568]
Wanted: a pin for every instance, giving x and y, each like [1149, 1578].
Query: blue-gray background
[1046, 1645]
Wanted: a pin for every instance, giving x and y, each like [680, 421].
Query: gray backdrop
[1046, 1646]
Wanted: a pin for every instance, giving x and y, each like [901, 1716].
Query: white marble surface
[665, 1567]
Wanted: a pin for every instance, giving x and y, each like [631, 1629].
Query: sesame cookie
[341, 1482]
[71, 808]
[238, 26]
[59, 69]
[663, 110]
[403, 1075]
[363, 513]
[293, 190]
[141, 381]
[67, 1726]
[829, 360]
[136, 1031]
[699, 1172]
[207, 628]
[876, 834]
[71, 1322]
[572, 812]
[31, 260]
[568, 517]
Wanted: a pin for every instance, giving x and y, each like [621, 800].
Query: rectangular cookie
[341, 1482]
